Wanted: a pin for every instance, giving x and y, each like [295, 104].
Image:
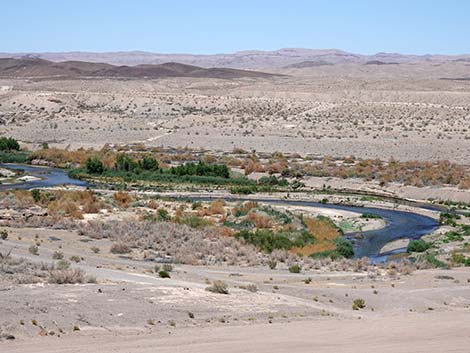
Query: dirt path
[426, 333]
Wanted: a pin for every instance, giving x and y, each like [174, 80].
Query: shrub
[448, 218]
[295, 269]
[120, 248]
[219, 287]
[4, 234]
[62, 264]
[67, 276]
[164, 274]
[163, 214]
[250, 287]
[167, 267]
[272, 264]
[9, 144]
[417, 246]
[435, 262]
[36, 194]
[75, 258]
[344, 248]
[122, 198]
[94, 165]
[33, 249]
[58, 255]
[358, 304]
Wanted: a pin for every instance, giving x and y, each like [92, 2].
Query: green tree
[94, 165]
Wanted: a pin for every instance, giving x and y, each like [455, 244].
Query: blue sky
[208, 26]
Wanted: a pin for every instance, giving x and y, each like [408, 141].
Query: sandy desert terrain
[407, 111]
[126, 267]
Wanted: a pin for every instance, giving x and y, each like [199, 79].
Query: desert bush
[58, 255]
[122, 199]
[4, 234]
[295, 269]
[167, 267]
[417, 246]
[259, 221]
[358, 304]
[272, 264]
[163, 274]
[75, 258]
[179, 242]
[62, 264]
[250, 287]
[33, 249]
[120, 248]
[67, 276]
[219, 287]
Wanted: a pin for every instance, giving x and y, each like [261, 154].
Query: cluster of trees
[124, 163]
[9, 144]
[201, 169]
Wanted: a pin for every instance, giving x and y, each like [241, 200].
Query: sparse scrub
[219, 287]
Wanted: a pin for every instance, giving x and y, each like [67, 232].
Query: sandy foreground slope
[412, 333]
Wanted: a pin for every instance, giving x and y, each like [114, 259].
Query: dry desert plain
[65, 287]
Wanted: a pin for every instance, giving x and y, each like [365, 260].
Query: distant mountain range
[282, 58]
[28, 67]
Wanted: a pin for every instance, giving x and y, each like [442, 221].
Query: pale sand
[426, 333]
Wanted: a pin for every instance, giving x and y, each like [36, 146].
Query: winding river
[399, 224]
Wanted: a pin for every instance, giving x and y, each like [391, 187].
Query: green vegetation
[448, 218]
[431, 259]
[418, 246]
[461, 260]
[164, 274]
[36, 194]
[9, 144]
[370, 216]
[14, 156]
[295, 269]
[452, 236]
[94, 166]
[268, 240]
[358, 304]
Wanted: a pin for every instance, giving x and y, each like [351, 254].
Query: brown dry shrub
[217, 207]
[259, 221]
[120, 248]
[180, 243]
[324, 232]
[245, 207]
[122, 198]
[64, 208]
[465, 183]
[152, 204]
[251, 166]
[225, 231]
[66, 276]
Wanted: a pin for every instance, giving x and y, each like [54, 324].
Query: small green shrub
[164, 274]
[295, 269]
[4, 234]
[358, 304]
[418, 246]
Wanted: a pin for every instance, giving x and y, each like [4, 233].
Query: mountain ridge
[247, 59]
